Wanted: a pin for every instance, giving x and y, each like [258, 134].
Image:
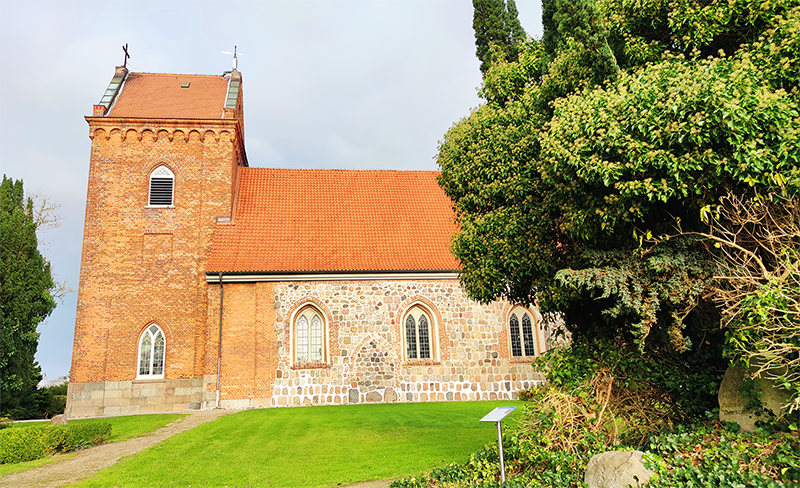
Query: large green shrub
[42, 403]
[18, 445]
[602, 396]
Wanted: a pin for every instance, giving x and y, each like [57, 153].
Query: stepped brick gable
[205, 282]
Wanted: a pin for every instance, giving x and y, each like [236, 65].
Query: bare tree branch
[45, 211]
[758, 286]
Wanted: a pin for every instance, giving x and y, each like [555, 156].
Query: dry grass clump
[607, 410]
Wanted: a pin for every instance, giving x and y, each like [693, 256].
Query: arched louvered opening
[162, 187]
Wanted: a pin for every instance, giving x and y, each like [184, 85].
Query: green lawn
[122, 428]
[129, 426]
[311, 446]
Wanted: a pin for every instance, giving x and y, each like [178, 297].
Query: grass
[311, 446]
[122, 428]
[129, 426]
[30, 423]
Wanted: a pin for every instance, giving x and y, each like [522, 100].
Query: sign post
[497, 415]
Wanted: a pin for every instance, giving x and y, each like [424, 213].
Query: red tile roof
[293, 220]
[160, 96]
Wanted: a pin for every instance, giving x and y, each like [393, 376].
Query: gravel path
[93, 459]
[369, 484]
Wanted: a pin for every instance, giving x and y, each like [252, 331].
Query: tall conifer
[496, 24]
[516, 32]
[25, 301]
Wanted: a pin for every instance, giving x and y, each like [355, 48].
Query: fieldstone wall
[374, 371]
[365, 359]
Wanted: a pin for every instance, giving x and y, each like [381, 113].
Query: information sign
[498, 414]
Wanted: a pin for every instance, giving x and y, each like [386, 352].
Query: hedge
[18, 445]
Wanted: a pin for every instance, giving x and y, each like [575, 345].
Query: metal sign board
[498, 414]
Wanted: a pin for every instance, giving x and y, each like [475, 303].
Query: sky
[368, 84]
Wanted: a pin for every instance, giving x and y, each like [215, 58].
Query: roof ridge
[351, 170]
[175, 74]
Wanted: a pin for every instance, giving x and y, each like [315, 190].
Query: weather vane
[235, 59]
[125, 61]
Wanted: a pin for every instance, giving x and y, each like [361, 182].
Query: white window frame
[308, 313]
[153, 335]
[519, 313]
[161, 173]
[416, 311]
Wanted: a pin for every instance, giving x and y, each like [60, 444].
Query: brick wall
[249, 346]
[145, 265]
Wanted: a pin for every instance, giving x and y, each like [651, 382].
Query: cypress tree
[516, 32]
[550, 35]
[495, 23]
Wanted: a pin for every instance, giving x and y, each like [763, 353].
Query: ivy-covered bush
[603, 397]
[26, 444]
[714, 455]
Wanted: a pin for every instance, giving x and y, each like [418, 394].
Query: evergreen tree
[496, 24]
[550, 36]
[515, 30]
[25, 300]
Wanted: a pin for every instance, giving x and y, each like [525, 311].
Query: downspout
[219, 346]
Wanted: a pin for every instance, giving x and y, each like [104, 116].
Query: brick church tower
[164, 160]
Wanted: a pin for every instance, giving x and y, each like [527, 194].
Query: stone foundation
[106, 398]
[110, 398]
[310, 389]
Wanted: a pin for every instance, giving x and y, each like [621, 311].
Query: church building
[209, 283]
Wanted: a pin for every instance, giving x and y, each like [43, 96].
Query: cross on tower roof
[125, 61]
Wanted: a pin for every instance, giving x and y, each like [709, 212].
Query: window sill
[524, 359]
[159, 206]
[310, 365]
[149, 379]
[422, 362]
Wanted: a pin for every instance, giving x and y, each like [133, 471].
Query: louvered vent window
[162, 187]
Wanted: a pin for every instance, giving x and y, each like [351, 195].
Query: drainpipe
[219, 348]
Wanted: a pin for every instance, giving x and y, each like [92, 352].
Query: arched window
[309, 336]
[418, 327]
[521, 332]
[151, 353]
[162, 187]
